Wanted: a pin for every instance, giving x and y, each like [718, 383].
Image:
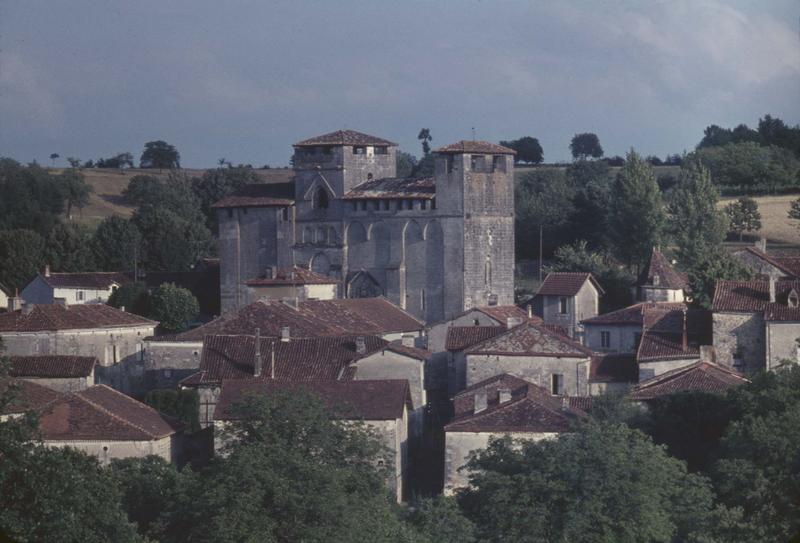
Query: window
[385, 205]
[477, 163]
[605, 339]
[562, 305]
[408, 204]
[433, 203]
[320, 199]
[422, 299]
[476, 322]
[423, 204]
[285, 213]
[498, 163]
[359, 150]
[557, 384]
[793, 300]
[449, 163]
[79, 295]
[381, 150]
[230, 213]
[362, 205]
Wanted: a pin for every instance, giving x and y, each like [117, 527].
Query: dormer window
[794, 299]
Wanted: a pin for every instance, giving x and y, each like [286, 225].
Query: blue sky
[245, 79]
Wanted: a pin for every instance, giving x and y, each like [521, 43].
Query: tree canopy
[159, 154]
[528, 149]
[585, 145]
[743, 216]
[173, 307]
[22, 255]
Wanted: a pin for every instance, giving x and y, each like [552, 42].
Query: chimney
[511, 322]
[504, 395]
[407, 340]
[761, 244]
[708, 354]
[772, 289]
[15, 302]
[258, 364]
[530, 310]
[47, 270]
[480, 401]
[285, 334]
[272, 361]
[27, 309]
[361, 345]
[685, 344]
[122, 308]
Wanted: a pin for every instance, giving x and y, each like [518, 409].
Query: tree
[710, 267]
[169, 241]
[441, 520]
[134, 297]
[68, 248]
[181, 404]
[32, 197]
[173, 307]
[585, 145]
[749, 167]
[53, 157]
[794, 210]
[425, 137]
[743, 216]
[593, 184]
[528, 149]
[74, 163]
[604, 482]
[22, 255]
[75, 189]
[159, 154]
[637, 218]
[116, 244]
[406, 164]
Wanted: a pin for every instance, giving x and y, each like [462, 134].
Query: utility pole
[540, 253]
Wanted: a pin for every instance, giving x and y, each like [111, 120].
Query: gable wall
[535, 369]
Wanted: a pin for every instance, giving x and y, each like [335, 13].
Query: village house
[660, 282]
[621, 331]
[673, 338]
[170, 358]
[115, 338]
[63, 373]
[292, 283]
[72, 288]
[28, 396]
[701, 376]
[566, 299]
[756, 324]
[501, 405]
[382, 405]
[766, 266]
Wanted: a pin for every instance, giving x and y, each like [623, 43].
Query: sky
[243, 80]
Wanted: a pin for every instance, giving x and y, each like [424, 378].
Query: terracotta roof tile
[75, 317]
[501, 313]
[461, 337]
[53, 366]
[662, 338]
[353, 400]
[413, 352]
[788, 265]
[464, 401]
[28, 396]
[781, 313]
[659, 266]
[345, 137]
[750, 296]
[614, 368]
[698, 377]
[529, 339]
[87, 280]
[259, 195]
[633, 314]
[482, 147]
[394, 188]
[566, 284]
[293, 276]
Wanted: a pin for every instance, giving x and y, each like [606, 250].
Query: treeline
[694, 467]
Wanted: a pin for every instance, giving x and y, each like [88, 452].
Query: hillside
[775, 223]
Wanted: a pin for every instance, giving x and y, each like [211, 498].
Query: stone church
[435, 246]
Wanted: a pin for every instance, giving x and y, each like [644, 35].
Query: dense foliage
[173, 307]
[743, 216]
[586, 145]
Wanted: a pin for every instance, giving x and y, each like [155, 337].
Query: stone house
[115, 338]
[435, 246]
[701, 376]
[660, 282]
[72, 288]
[534, 353]
[756, 324]
[292, 283]
[612, 372]
[620, 331]
[382, 405]
[566, 299]
[766, 266]
[170, 358]
[28, 396]
[673, 338]
[501, 405]
[63, 373]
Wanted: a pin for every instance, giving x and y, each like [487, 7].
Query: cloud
[27, 98]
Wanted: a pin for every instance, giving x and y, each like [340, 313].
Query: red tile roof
[501, 313]
[614, 368]
[344, 137]
[566, 284]
[412, 352]
[789, 265]
[529, 339]
[480, 147]
[86, 280]
[102, 413]
[394, 188]
[75, 317]
[52, 366]
[464, 401]
[27, 396]
[259, 195]
[350, 400]
[461, 337]
[633, 314]
[781, 313]
[662, 338]
[750, 296]
[668, 277]
[698, 377]
[293, 276]
[311, 318]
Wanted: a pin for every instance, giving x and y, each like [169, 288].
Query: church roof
[478, 147]
[259, 195]
[660, 267]
[394, 187]
[344, 137]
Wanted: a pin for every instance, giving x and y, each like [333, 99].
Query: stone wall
[167, 362]
[783, 343]
[657, 367]
[64, 384]
[623, 337]
[168, 448]
[535, 369]
[739, 340]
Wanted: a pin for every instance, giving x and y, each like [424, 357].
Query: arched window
[320, 199]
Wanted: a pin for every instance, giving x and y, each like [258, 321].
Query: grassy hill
[775, 223]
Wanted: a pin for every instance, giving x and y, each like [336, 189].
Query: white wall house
[72, 288]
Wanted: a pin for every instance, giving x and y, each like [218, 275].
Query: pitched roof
[614, 368]
[309, 359]
[394, 188]
[788, 265]
[311, 318]
[351, 400]
[461, 337]
[662, 336]
[102, 413]
[412, 352]
[633, 314]
[781, 313]
[344, 137]
[501, 313]
[86, 280]
[530, 409]
[464, 401]
[660, 267]
[293, 276]
[751, 296]
[481, 147]
[27, 397]
[52, 366]
[698, 377]
[259, 195]
[51, 317]
[530, 339]
[566, 283]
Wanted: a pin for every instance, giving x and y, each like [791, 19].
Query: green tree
[53, 157]
[441, 520]
[32, 198]
[604, 482]
[593, 184]
[76, 190]
[159, 154]
[174, 307]
[794, 211]
[743, 216]
[425, 137]
[22, 255]
[134, 297]
[169, 241]
[528, 149]
[708, 268]
[74, 163]
[181, 404]
[116, 244]
[585, 145]
[637, 218]
[216, 184]
[68, 248]
[748, 167]
[406, 164]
